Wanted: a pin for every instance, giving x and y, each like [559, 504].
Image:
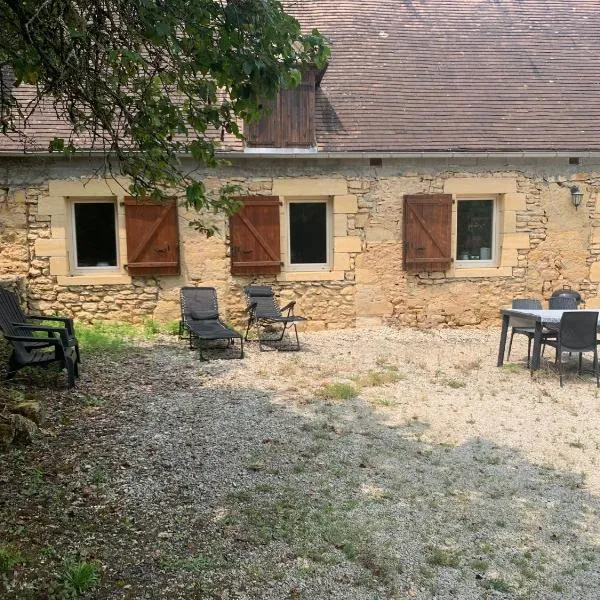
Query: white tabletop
[545, 316]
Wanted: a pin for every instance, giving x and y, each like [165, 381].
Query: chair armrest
[62, 332]
[289, 305]
[68, 321]
[54, 341]
[251, 307]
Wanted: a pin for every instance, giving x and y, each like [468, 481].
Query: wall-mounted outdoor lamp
[576, 196]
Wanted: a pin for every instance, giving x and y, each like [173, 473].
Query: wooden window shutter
[152, 237]
[297, 110]
[264, 133]
[427, 232]
[291, 121]
[254, 237]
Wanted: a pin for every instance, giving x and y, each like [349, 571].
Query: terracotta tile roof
[458, 74]
[444, 75]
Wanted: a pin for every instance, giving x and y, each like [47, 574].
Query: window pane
[308, 232]
[475, 227]
[95, 234]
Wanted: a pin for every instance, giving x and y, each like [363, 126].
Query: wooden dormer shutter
[254, 237]
[297, 114]
[427, 232]
[263, 133]
[152, 237]
[290, 122]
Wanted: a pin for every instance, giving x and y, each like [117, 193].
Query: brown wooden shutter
[152, 237]
[264, 133]
[427, 232]
[291, 121]
[297, 111]
[254, 237]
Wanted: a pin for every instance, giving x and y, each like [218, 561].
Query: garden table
[538, 319]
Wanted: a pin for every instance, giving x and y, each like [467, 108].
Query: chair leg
[529, 340]
[248, 328]
[512, 334]
[70, 367]
[242, 348]
[13, 367]
[202, 357]
[559, 359]
[580, 361]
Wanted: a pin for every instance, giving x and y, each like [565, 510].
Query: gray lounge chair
[200, 320]
[264, 313]
[60, 346]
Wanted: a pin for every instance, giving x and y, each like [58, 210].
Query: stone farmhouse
[446, 161]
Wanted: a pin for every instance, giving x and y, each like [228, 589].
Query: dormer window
[290, 119]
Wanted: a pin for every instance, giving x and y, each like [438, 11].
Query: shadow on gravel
[183, 490]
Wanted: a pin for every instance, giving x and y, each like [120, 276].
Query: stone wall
[13, 232]
[544, 243]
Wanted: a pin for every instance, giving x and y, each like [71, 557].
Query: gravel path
[445, 477]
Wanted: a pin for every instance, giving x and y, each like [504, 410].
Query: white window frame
[495, 260]
[289, 266]
[75, 268]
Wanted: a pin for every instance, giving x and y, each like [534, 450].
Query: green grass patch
[106, 336]
[9, 558]
[455, 384]
[338, 391]
[512, 368]
[319, 530]
[79, 577]
[443, 557]
[377, 378]
[498, 584]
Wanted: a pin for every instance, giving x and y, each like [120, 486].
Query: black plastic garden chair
[264, 313]
[200, 320]
[28, 350]
[577, 334]
[529, 332]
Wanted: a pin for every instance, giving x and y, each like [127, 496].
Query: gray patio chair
[264, 313]
[200, 319]
[529, 332]
[577, 334]
[28, 350]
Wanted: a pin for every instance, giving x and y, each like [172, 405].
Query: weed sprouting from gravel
[443, 557]
[9, 558]
[78, 577]
[455, 384]
[338, 391]
[377, 378]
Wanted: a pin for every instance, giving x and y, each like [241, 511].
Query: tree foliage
[147, 81]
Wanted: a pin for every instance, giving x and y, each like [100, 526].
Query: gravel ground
[444, 477]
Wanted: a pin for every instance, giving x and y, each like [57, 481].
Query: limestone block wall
[13, 232]
[544, 243]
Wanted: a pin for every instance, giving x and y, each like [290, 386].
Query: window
[309, 237]
[476, 231]
[94, 235]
